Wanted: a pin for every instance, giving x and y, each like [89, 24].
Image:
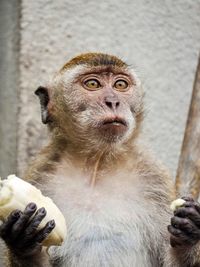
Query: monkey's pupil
[93, 84]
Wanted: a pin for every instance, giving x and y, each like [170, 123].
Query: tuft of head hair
[95, 60]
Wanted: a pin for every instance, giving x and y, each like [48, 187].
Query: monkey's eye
[92, 84]
[121, 85]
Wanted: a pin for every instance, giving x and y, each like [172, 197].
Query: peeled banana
[177, 203]
[15, 193]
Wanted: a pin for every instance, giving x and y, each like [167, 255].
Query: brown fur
[94, 60]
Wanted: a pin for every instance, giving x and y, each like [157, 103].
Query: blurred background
[159, 38]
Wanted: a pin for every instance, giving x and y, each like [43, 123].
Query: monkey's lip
[112, 127]
[114, 121]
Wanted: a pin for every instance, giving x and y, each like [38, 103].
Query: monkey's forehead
[69, 75]
[95, 60]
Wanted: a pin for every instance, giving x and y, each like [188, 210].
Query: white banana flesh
[16, 193]
[177, 203]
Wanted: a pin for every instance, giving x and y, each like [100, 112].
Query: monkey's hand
[20, 232]
[185, 224]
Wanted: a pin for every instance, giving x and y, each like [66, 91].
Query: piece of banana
[177, 203]
[16, 193]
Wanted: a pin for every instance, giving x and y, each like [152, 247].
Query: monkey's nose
[112, 102]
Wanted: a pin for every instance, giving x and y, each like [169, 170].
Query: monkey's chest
[111, 233]
[108, 225]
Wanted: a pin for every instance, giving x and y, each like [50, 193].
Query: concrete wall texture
[159, 38]
[9, 73]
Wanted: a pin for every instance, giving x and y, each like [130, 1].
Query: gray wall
[9, 77]
[159, 38]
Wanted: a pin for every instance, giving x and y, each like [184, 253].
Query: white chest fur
[108, 225]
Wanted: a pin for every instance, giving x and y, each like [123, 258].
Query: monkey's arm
[23, 239]
[185, 236]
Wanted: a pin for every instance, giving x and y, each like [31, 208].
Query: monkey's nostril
[112, 105]
[109, 104]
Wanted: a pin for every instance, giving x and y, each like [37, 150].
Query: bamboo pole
[188, 173]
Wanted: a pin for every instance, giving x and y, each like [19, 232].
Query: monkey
[114, 194]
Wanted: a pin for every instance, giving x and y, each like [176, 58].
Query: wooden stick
[188, 173]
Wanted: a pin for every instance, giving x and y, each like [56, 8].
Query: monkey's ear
[42, 93]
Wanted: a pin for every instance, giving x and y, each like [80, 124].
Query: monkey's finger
[174, 231]
[197, 207]
[188, 204]
[193, 204]
[185, 211]
[5, 228]
[184, 224]
[189, 212]
[190, 199]
[44, 232]
[180, 237]
[23, 220]
[194, 215]
[34, 223]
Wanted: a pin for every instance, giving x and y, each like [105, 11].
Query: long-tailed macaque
[114, 195]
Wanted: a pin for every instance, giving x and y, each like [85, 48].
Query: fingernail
[32, 206]
[16, 213]
[42, 210]
[52, 223]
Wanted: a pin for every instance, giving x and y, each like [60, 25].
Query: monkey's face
[100, 103]
[95, 99]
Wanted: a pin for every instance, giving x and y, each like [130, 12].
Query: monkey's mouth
[113, 127]
[115, 121]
